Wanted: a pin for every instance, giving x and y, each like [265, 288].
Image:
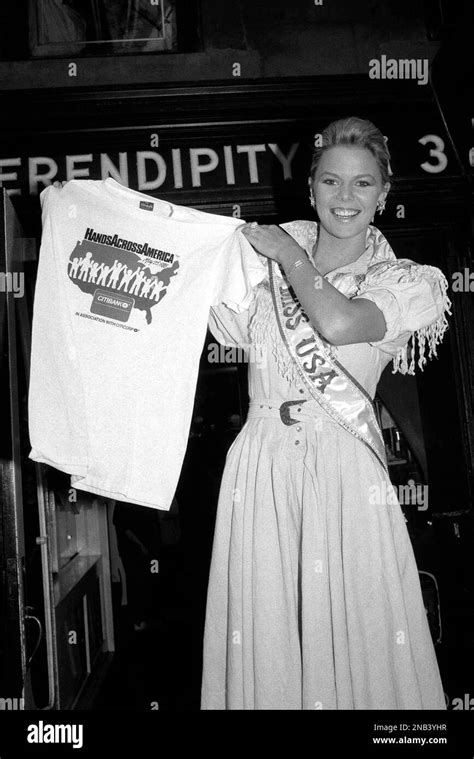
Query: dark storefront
[221, 113]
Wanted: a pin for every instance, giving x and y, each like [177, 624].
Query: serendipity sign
[222, 160]
[168, 169]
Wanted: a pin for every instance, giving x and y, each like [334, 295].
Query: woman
[314, 600]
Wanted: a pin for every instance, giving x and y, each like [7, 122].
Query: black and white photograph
[237, 370]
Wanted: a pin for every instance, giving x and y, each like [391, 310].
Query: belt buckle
[285, 413]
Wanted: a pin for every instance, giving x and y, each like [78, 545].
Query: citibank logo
[115, 306]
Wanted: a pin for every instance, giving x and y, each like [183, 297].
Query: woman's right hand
[59, 185]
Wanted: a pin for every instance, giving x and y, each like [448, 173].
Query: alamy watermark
[243, 354]
[47, 733]
[401, 68]
[463, 281]
[466, 703]
[411, 494]
[12, 704]
[12, 282]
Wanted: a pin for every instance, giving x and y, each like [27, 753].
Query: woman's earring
[381, 206]
[311, 199]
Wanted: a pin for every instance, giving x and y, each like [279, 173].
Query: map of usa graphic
[120, 273]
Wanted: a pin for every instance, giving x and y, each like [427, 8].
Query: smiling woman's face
[347, 186]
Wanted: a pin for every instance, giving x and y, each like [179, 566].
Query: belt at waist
[289, 412]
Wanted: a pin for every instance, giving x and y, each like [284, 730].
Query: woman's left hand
[270, 240]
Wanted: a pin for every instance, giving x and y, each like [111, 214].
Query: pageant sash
[339, 394]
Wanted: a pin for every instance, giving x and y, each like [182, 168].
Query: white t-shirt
[125, 283]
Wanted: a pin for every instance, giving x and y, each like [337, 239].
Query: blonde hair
[359, 133]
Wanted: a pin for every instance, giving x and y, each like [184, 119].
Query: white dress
[314, 600]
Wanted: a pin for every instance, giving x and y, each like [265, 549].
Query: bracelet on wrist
[297, 264]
